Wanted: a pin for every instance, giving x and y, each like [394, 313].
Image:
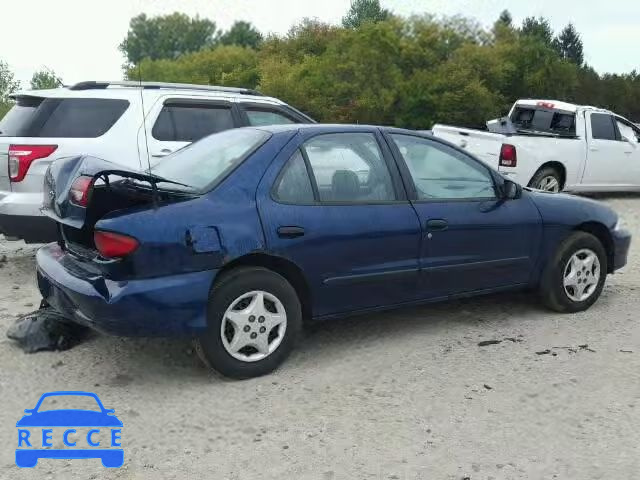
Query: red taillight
[80, 190]
[21, 157]
[508, 157]
[114, 245]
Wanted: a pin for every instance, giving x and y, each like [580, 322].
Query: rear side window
[602, 127]
[294, 185]
[260, 117]
[190, 122]
[62, 117]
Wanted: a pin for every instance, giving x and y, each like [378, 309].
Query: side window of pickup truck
[602, 127]
[628, 131]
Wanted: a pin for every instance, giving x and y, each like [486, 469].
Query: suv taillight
[508, 156]
[80, 190]
[21, 157]
[114, 245]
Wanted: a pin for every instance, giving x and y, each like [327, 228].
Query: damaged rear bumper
[165, 306]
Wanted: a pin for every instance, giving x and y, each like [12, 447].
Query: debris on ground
[626, 351]
[488, 387]
[484, 343]
[45, 329]
[571, 350]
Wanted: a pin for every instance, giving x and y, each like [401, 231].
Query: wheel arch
[601, 232]
[556, 165]
[282, 266]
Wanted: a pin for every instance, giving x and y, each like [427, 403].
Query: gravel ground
[402, 395]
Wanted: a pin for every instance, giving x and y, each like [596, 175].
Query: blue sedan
[239, 237]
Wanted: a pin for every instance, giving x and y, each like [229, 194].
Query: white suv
[129, 123]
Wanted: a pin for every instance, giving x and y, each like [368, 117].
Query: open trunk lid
[113, 188]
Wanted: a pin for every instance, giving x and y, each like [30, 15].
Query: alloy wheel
[549, 184]
[581, 275]
[253, 326]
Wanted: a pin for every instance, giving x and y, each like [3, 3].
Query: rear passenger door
[175, 122]
[608, 162]
[333, 204]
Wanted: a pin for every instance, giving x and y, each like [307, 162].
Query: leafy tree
[505, 18]
[8, 85]
[44, 79]
[569, 45]
[231, 66]
[242, 34]
[503, 29]
[166, 37]
[538, 28]
[362, 11]
[8, 82]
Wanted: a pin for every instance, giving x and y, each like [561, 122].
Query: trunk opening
[107, 198]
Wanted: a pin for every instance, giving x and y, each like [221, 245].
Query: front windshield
[206, 162]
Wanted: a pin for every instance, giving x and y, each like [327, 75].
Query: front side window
[602, 127]
[263, 117]
[440, 172]
[349, 167]
[190, 122]
[628, 132]
[203, 164]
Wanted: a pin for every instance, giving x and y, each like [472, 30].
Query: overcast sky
[79, 38]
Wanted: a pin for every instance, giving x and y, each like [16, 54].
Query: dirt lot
[402, 395]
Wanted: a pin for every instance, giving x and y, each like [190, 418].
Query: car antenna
[154, 185]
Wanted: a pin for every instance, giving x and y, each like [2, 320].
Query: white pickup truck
[555, 146]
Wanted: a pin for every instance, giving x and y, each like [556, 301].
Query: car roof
[150, 90]
[335, 127]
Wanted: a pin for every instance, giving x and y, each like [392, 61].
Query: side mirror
[28, 410]
[511, 190]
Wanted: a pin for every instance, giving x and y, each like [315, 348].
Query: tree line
[377, 67]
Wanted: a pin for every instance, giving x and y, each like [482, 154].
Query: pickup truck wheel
[253, 320]
[547, 179]
[574, 278]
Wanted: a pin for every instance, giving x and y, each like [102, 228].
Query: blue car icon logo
[69, 433]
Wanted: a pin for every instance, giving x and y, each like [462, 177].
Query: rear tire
[574, 278]
[547, 179]
[253, 321]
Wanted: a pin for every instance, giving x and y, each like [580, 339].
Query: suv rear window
[543, 120]
[62, 117]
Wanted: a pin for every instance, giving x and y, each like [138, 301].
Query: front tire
[574, 278]
[253, 321]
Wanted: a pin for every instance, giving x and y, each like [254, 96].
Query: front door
[334, 205]
[471, 240]
[608, 156]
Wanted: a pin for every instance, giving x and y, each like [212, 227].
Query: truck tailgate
[484, 145]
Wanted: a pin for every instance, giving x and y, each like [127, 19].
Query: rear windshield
[33, 116]
[544, 120]
[205, 163]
